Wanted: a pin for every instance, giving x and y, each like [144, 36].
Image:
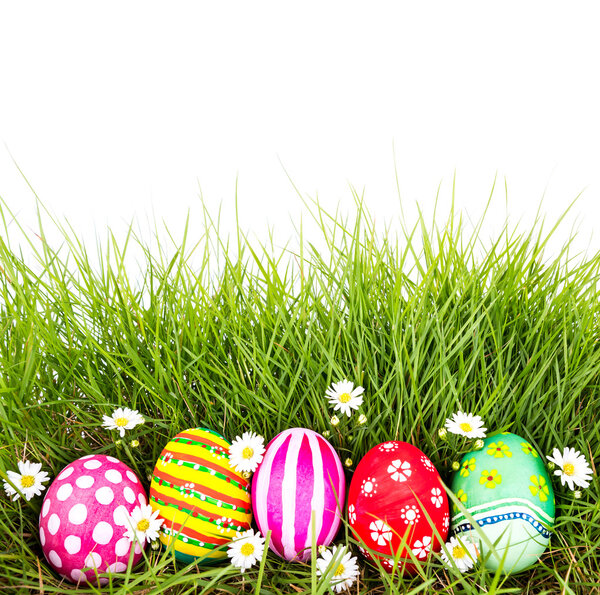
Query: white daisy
[466, 424]
[346, 567]
[246, 453]
[246, 549]
[574, 468]
[462, 554]
[122, 419]
[143, 525]
[28, 481]
[344, 396]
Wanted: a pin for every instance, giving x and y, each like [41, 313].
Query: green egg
[505, 487]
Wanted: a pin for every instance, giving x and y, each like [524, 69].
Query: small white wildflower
[466, 424]
[143, 525]
[246, 549]
[346, 570]
[28, 481]
[122, 419]
[574, 468]
[246, 453]
[344, 396]
[462, 554]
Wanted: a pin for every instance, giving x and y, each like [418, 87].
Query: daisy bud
[322, 548]
[455, 466]
[443, 434]
[246, 474]
[326, 434]
[348, 462]
[577, 494]
[118, 442]
[335, 420]
[551, 466]
[134, 443]
[362, 419]
[155, 545]
[479, 444]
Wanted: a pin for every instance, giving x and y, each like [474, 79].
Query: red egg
[397, 501]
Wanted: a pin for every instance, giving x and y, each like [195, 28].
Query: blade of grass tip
[261, 570]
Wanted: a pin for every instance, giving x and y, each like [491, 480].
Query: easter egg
[505, 488]
[300, 478]
[396, 502]
[202, 500]
[84, 518]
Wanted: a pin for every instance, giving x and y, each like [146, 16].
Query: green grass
[232, 334]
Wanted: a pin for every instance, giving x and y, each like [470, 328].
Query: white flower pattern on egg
[399, 470]
[410, 514]
[436, 497]
[369, 487]
[380, 532]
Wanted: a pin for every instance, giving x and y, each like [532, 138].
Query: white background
[124, 110]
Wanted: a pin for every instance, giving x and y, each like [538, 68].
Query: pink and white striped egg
[300, 475]
[84, 517]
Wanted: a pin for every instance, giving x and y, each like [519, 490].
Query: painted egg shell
[507, 490]
[202, 500]
[84, 518]
[300, 476]
[395, 498]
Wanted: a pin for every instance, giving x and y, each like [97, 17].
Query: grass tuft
[234, 335]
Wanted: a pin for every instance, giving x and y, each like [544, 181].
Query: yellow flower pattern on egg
[499, 449]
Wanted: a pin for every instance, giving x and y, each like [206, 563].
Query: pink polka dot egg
[84, 518]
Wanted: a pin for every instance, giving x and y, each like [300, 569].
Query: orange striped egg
[202, 500]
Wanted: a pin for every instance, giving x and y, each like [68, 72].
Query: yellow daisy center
[121, 421]
[27, 481]
[458, 552]
[247, 453]
[247, 549]
[344, 397]
[143, 525]
[569, 468]
[339, 571]
[465, 427]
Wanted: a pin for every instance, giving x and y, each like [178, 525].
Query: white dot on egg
[103, 533]
[42, 536]
[117, 567]
[95, 464]
[78, 576]
[78, 514]
[64, 491]
[54, 558]
[120, 516]
[113, 476]
[85, 481]
[131, 475]
[138, 549]
[93, 560]
[142, 499]
[46, 507]
[86, 457]
[104, 495]
[129, 495]
[53, 523]
[122, 547]
[112, 459]
[66, 472]
[72, 544]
